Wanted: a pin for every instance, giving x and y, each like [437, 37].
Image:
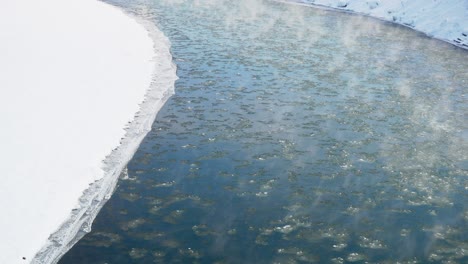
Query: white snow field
[446, 20]
[75, 78]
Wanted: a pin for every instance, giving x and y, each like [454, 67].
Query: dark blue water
[295, 136]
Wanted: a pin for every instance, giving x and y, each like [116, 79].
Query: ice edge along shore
[443, 20]
[93, 199]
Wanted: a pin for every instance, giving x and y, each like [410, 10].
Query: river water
[296, 135]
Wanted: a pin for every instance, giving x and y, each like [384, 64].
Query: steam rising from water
[298, 135]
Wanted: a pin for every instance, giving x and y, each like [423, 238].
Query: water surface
[295, 136]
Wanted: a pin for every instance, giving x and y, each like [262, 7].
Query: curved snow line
[439, 19]
[80, 85]
[94, 198]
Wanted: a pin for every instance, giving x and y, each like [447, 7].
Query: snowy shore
[446, 20]
[80, 86]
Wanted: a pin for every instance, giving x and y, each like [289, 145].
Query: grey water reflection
[295, 136]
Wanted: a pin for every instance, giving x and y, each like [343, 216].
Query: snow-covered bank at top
[442, 19]
[73, 74]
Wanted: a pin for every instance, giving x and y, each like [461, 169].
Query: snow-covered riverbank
[442, 19]
[73, 75]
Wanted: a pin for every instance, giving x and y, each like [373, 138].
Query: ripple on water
[295, 136]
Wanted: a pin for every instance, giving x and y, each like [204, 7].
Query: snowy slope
[442, 19]
[72, 76]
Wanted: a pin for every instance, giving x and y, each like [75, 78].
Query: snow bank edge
[93, 199]
[458, 37]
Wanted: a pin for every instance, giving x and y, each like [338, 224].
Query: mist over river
[296, 135]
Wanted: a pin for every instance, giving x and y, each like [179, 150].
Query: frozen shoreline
[81, 85]
[443, 20]
[93, 199]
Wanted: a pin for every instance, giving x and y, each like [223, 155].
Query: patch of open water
[295, 136]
